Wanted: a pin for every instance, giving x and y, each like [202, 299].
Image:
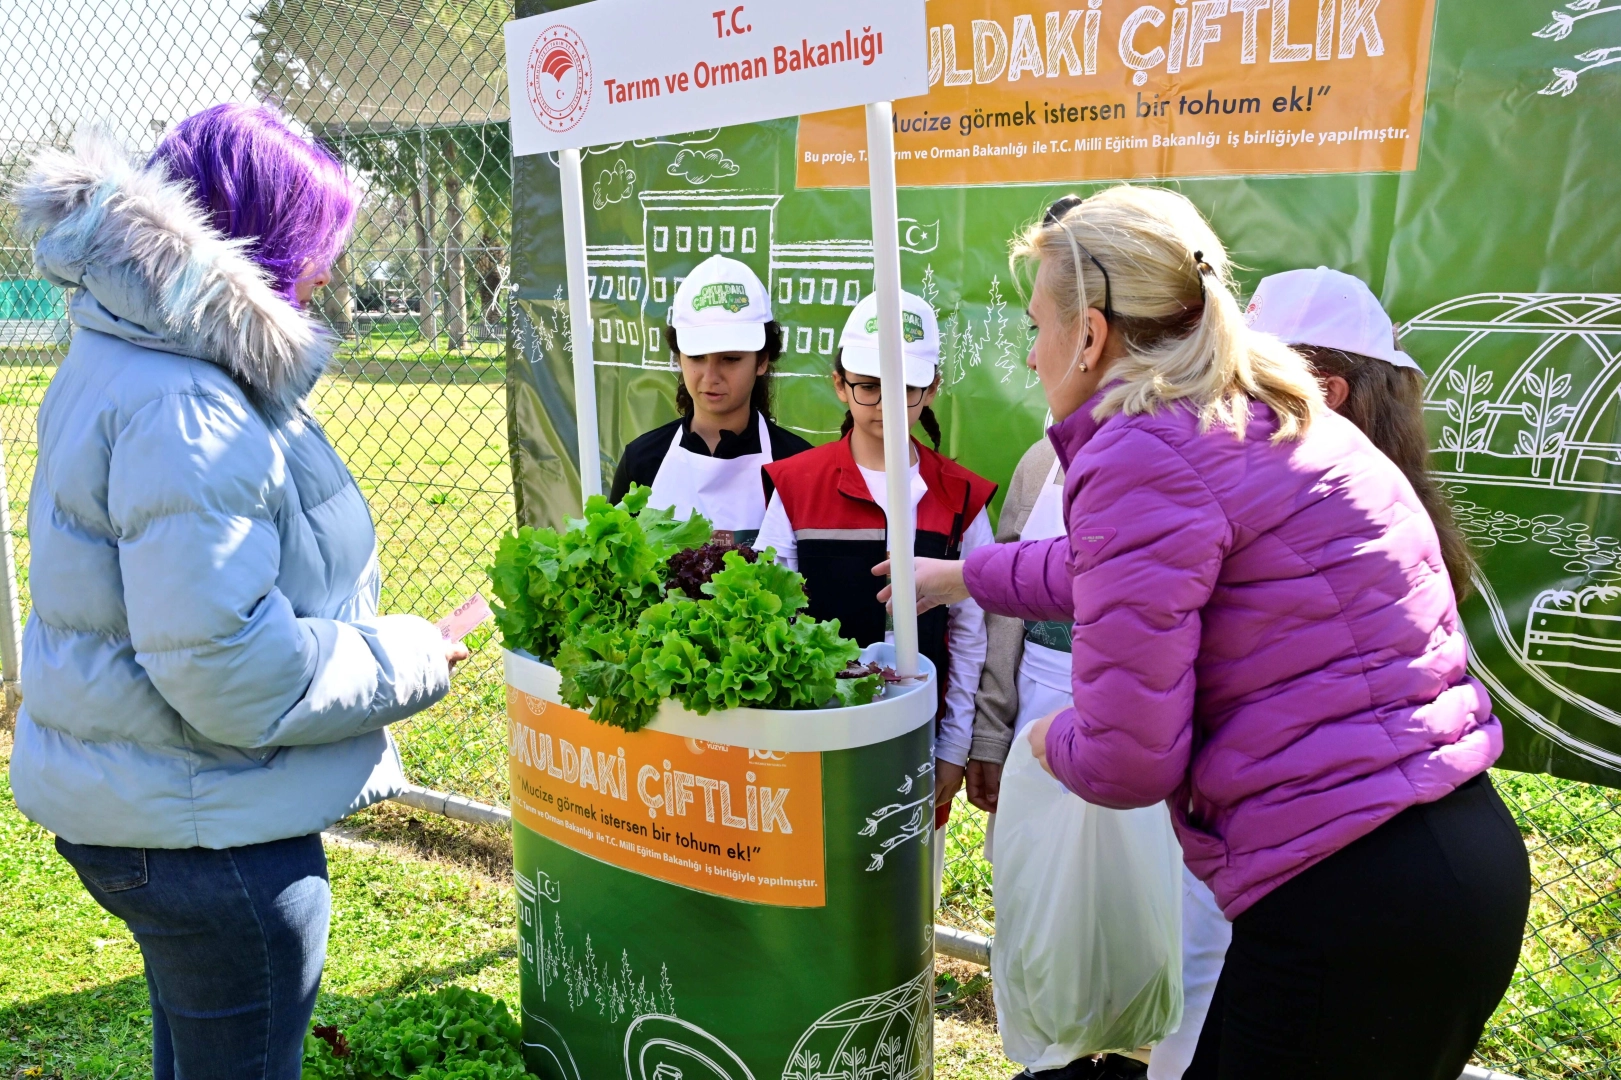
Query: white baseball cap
[920, 339]
[1328, 309]
[720, 307]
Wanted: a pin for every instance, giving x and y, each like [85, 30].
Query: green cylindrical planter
[739, 896]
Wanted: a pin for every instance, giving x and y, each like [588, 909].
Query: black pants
[1384, 960]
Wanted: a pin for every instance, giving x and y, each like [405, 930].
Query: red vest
[840, 533]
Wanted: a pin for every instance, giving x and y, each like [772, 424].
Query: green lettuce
[592, 599]
[600, 573]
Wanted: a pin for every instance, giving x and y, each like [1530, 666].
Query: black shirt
[642, 458]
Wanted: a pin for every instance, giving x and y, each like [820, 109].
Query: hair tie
[1201, 268]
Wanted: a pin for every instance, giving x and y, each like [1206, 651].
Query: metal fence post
[10, 609]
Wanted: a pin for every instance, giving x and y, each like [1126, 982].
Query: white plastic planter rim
[903, 708]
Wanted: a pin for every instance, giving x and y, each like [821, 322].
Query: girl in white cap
[723, 336]
[1336, 323]
[826, 519]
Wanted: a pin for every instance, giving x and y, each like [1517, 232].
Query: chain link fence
[410, 94]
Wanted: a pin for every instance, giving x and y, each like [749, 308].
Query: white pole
[892, 376]
[10, 615]
[581, 329]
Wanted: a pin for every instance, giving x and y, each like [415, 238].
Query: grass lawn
[425, 434]
[416, 904]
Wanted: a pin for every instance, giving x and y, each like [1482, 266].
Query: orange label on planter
[720, 819]
[1024, 93]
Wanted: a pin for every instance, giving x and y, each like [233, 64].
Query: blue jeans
[233, 942]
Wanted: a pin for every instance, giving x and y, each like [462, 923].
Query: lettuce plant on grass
[450, 1034]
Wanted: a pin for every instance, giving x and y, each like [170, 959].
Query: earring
[1084, 368]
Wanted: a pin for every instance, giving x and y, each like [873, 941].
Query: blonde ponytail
[1153, 259]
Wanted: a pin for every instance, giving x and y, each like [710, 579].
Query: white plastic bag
[1088, 949]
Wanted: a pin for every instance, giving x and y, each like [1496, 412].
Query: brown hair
[1387, 403]
[760, 399]
[926, 420]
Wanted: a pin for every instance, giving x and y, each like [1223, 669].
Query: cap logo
[911, 326]
[723, 294]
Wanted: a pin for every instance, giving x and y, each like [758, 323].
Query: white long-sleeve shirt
[965, 621]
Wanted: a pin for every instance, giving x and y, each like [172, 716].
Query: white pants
[1206, 933]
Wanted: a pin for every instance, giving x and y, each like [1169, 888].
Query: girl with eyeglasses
[1266, 638]
[826, 519]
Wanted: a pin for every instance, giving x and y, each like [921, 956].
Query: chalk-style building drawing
[813, 284]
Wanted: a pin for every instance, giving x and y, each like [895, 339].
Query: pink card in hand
[467, 616]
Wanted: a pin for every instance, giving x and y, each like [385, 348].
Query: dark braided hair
[759, 399]
[1387, 403]
[931, 426]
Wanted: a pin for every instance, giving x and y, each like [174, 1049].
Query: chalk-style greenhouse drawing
[1523, 399]
[1529, 392]
[888, 1036]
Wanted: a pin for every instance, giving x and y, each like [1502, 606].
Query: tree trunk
[455, 266]
[339, 302]
[487, 274]
[422, 212]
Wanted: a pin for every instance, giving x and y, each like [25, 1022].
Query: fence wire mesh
[410, 94]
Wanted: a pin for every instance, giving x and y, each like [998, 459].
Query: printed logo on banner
[559, 78]
[720, 819]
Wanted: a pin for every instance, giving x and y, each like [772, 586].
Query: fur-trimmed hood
[157, 273]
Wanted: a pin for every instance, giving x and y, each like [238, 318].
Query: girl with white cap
[826, 519]
[1336, 323]
[723, 337]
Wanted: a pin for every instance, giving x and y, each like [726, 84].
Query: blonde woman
[1266, 637]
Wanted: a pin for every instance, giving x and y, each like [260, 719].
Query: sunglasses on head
[1055, 216]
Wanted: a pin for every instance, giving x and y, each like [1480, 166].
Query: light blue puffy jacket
[204, 665]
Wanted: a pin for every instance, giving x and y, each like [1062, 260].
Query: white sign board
[617, 70]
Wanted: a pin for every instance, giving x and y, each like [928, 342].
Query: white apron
[1044, 672]
[727, 491]
[1043, 675]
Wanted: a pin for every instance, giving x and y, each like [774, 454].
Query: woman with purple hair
[208, 678]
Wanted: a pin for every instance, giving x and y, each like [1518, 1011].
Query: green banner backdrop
[1488, 230]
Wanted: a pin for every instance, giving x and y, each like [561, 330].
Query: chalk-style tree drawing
[996, 331]
[1468, 411]
[951, 362]
[1544, 414]
[617, 995]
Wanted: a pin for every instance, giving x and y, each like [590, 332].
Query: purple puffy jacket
[1265, 635]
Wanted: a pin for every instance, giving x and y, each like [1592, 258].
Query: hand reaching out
[939, 583]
